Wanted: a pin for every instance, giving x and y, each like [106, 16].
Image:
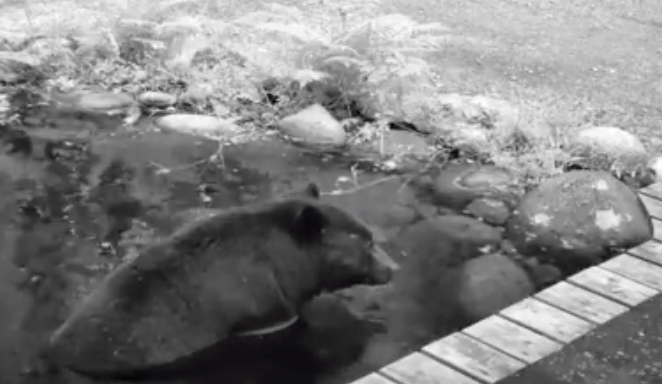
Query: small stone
[157, 99]
[402, 143]
[202, 125]
[469, 139]
[314, 125]
[103, 101]
[655, 165]
[608, 149]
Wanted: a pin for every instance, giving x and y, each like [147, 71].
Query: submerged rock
[456, 185]
[490, 283]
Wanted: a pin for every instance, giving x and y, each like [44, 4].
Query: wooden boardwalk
[500, 345]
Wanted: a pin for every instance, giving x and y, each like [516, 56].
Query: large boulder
[490, 283]
[578, 219]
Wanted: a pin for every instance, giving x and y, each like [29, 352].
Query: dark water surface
[80, 194]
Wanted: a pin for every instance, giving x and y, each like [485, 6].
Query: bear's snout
[383, 266]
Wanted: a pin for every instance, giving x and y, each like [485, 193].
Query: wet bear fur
[242, 274]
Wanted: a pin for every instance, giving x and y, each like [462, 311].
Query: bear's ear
[312, 190]
[309, 222]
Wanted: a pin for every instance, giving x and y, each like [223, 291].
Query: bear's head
[343, 244]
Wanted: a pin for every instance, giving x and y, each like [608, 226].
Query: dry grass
[246, 41]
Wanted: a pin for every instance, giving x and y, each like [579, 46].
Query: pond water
[80, 195]
[83, 193]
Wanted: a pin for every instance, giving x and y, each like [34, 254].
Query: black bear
[242, 272]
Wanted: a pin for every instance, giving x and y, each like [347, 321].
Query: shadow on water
[80, 197]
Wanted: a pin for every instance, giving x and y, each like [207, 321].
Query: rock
[468, 139]
[101, 102]
[484, 111]
[429, 237]
[500, 114]
[98, 103]
[491, 211]
[542, 275]
[402, 143]
[609, 149]
[578, 219]
[456, 185]
[157, 99]
[313, 125]
[197, 94]
[611, 142]
[490, 283]
[655, 165]
[17, 68]
[209, 126]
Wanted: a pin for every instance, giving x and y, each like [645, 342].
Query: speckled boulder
[490, 283]
[457, 185]
[578, 219]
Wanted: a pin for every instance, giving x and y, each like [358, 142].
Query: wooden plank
[650, 251]
[373, 378]
[417, 368]
[580, 302]
[654, 190]
[654, 206]
[544, 318]
[513, 339]
[474, 358]
[613, 286]
[657, 229]
[635, 269]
